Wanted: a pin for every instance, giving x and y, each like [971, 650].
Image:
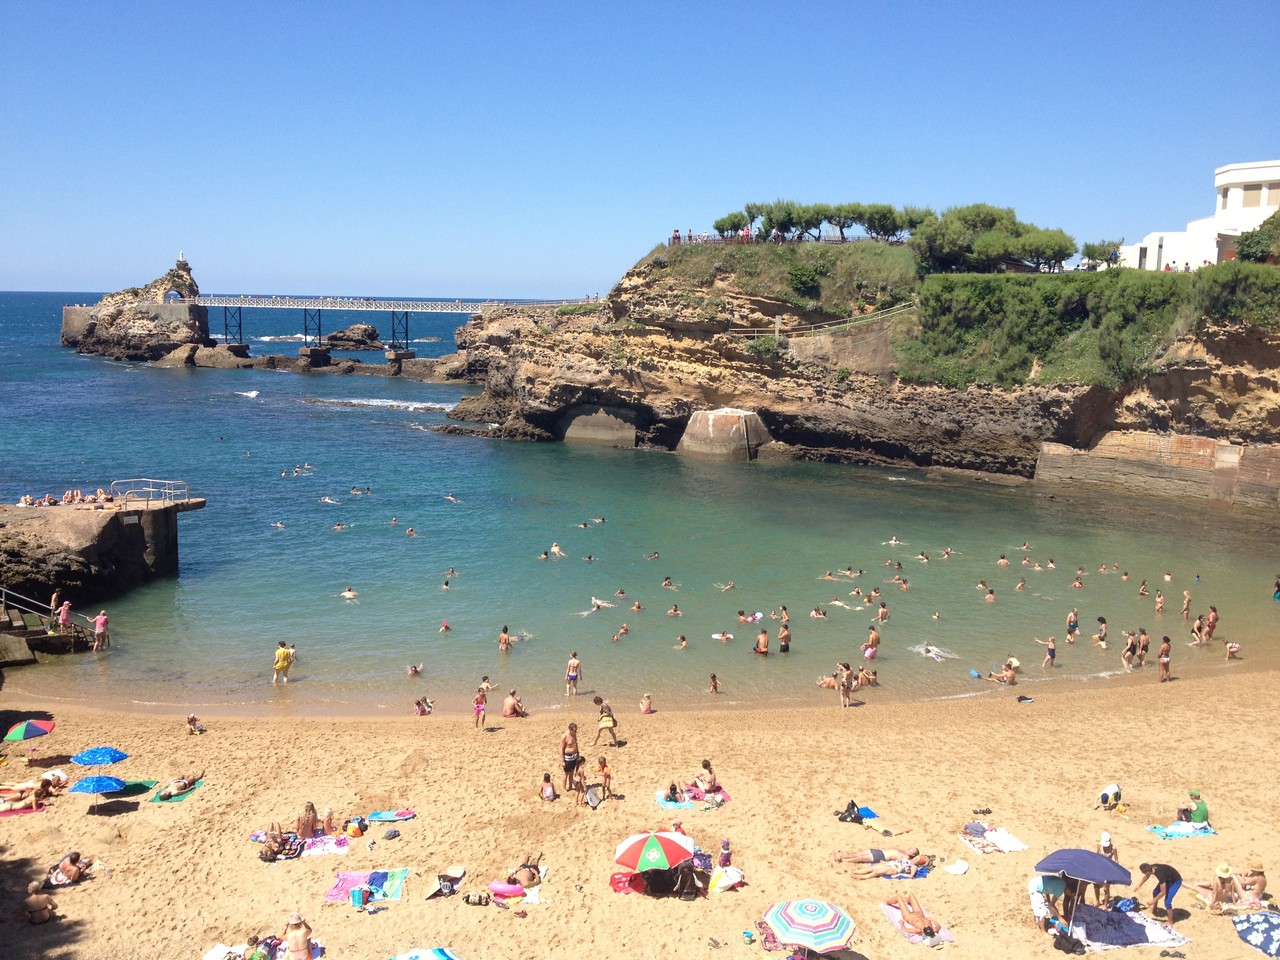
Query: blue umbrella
[1084, 865]
[97, 785]
[99, 757]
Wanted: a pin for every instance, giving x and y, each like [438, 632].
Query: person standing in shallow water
[284, 660]
[572, 673]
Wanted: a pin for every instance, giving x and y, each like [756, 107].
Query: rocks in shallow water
[358, 336]
[140, 323]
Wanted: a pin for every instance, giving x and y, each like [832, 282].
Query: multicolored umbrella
[99, 757]
[812, 924]
[653, 851]
[29, 729]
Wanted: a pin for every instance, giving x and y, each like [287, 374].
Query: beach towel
[1182, 828]
[921, 873]
[1109, 929]
[1261, 930]
[985, 839]
[434, 953]
[40, 808]
[132, 788]
[660, 796]
[388, 816]
[696, 793]
[386, 884]
[318, 846]
[868, 814]
[894, 916]
[180, 797]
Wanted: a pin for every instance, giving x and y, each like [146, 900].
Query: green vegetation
[1104, 327]
[837, 279]
[766, 346]
[573, 309]
[1257, 246]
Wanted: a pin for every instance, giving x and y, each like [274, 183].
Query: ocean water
[203, 640]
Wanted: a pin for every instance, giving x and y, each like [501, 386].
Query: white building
[1246, 194]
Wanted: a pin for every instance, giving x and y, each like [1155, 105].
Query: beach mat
[319, 846]
[390, 816]
[132, 788]
[1261, 930]
[41, 808]
[1180, 829]
[180, 797]
[921, 873]
[660, 797]
[894, 916]
[1109, 929]
[391, 882]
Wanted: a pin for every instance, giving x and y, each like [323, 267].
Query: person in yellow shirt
[284, 660]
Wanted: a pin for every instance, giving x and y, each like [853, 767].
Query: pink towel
[13, 813]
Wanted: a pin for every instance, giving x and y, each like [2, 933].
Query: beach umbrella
[28, 729]
[99, 757]
[1085, 865]
[653, 851]
[811, 924]
[97, 785]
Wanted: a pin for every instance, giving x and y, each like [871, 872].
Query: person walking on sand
[569, 754]
[478, 703]
[607, 721]
[572, 673]
[284, 660]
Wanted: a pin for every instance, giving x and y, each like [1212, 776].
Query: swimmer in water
[556, 551]
[411, 532]
[595, 602]
[589, 558]
[728, 586]
[619, 592]
[837, 602]
[339, 526]
[675, 611]
[393, 521]
[652, 556]
[445, 585]
[932, 651]
[636, 607]
[414, 671]
[543, 555]
[451, 498]
[444, 627]
[666, 582]
[584, 525]
[328, 500]
[451, 572]
[597, 519]
[349, 595]
[892, 542]
[682, 643]
[937, 615]
[278, 525]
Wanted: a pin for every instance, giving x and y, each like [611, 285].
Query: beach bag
[476, 899]
[355, 827]
[1068, 944]
[850, 813]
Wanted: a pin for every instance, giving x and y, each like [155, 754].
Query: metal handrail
[751, 333]
[165, 491]
[372, 303]
[11, 598]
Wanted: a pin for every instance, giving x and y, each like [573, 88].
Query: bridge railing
[149, 491]
[370, 303]
[826, 326]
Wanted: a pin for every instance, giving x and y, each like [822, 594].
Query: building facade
[1245, 195]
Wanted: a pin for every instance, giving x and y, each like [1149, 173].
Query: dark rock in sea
[358, 336]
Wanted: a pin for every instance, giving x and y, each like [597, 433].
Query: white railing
[372, 303]
[149, 491]
[826, 326]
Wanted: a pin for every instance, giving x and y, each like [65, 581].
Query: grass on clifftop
[838, 279]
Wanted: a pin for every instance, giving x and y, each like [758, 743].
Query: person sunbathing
[529, 874]
[308, 822]
[27, 799]
[1224, 888]
[70, 869]
[176, 788]
[1253, 882]
[38, 906]
[887, 868]
[297, 938]
[706, 778]
[914, 919]
[55, 779]
[877, 856]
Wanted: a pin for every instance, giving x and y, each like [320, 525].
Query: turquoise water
[204, 639]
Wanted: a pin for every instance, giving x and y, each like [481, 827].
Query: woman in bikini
[569, 751]
[297, 938]
[38, 906]
[28, 799]
[914, 919]
[175, 788]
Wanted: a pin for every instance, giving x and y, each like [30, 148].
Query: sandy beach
[185, 876]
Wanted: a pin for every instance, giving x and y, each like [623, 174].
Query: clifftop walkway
[370, 303]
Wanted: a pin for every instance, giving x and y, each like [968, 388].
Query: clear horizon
[511, 151]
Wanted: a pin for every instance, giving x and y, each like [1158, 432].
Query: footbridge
[312, 309]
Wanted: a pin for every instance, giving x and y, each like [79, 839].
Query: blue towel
[660, 796]
[867, 813]
[1176, 831]
[1261, 930]
[390, 816]
[921, 873]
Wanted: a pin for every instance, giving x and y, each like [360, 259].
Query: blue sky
[539, 149]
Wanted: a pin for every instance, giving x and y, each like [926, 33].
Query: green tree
[913, 217]
[845, 216]
[730, 223]
[779, 215]
[882, 221]
[1257, 245]
[811, 217]
[1045, 248]
[1104, 251]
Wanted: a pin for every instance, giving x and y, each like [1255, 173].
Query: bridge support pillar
[231, 324]
[315, 356]
[311, 335]
[399, 339]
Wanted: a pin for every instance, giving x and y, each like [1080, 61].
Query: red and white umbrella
[653, 851]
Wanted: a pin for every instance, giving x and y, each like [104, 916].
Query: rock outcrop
[358, 336]
[140, 323]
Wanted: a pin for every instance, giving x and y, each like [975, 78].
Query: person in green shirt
[1194, 810]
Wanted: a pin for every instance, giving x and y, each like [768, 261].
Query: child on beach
[547, 789]
[193, 724]
[1051, 651]
[606, 777]
[478, 703]
[646, 703]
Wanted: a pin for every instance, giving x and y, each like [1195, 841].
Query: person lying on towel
[70, 869]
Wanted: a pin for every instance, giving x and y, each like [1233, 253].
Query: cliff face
[137, 323]
[653, 354]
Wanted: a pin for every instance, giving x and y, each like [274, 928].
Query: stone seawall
[1170, 465]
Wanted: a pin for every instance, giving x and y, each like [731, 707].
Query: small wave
[288, 336]
[425, 340]
[251, 394]
[413, 406]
